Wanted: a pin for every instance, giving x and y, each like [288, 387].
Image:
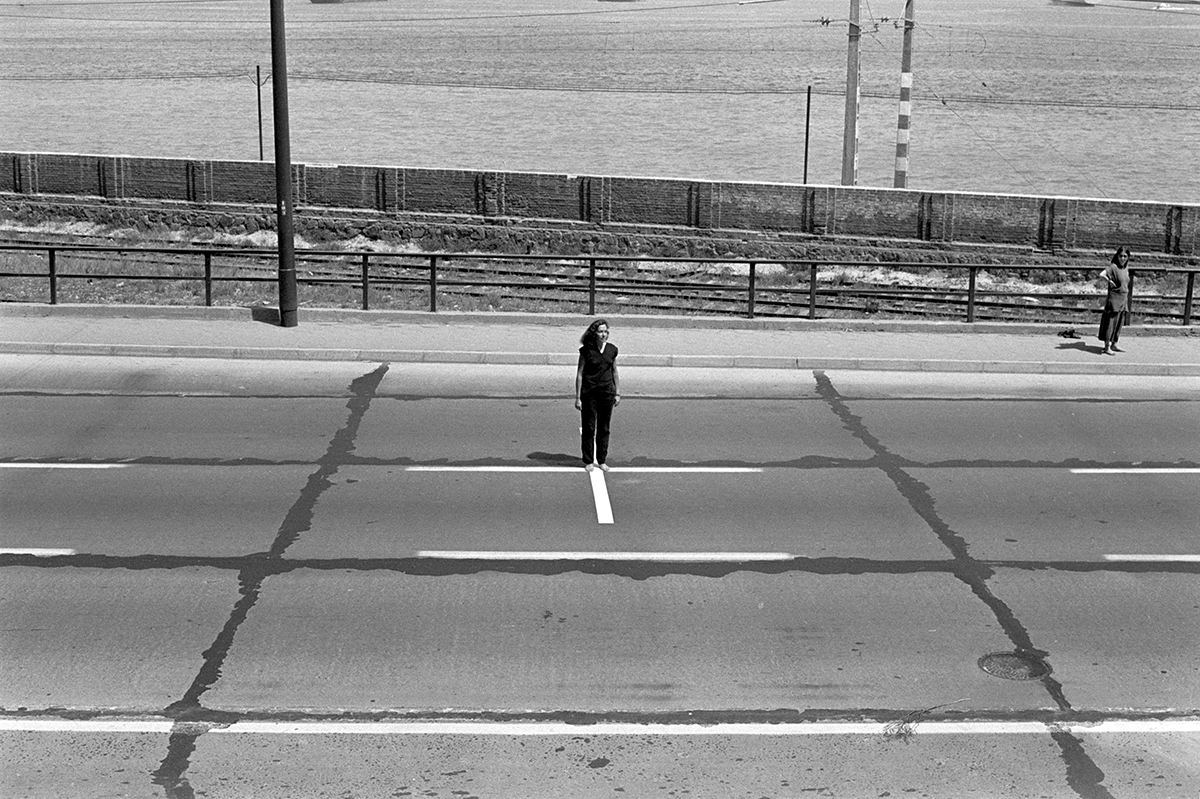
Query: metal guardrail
[377, 270]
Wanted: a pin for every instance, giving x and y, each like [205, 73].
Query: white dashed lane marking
[657, 557]
[40, 553]
[63, 465]
[1138, 470]
[1155, 558]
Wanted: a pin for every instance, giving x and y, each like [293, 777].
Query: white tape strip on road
[557, 728]
[656, 557]
[604, 514]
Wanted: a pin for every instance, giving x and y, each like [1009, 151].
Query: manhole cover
[1014, 666]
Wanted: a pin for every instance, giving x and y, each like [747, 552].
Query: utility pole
[258, 81]
[807, 119]
[850, 128]
[283, 172]
[906, 83]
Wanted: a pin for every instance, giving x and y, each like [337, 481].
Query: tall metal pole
[906, 83]
[283, 172]
[258, 83]
[850, 128]
[807, 117]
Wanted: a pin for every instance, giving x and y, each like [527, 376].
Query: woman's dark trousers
[597, 416]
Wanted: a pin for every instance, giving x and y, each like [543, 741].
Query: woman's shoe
[591, 467]
[604, 467]
[1115, 348]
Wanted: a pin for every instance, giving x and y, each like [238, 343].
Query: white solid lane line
[41, 553]
[604, 514]
[557, 728]
[1139, 470]
[656, 557]
[1155, 558]
[63, 465]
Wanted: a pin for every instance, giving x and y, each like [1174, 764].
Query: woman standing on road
[1116, 305]
[597, 392]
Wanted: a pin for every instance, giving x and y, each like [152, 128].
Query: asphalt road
[256, 579]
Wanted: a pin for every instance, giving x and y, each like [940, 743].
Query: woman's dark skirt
[1111, 322]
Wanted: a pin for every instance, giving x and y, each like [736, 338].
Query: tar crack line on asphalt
[973, 572]
[182, 743]
[1083, 775]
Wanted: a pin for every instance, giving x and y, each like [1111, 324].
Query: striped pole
[906, 82]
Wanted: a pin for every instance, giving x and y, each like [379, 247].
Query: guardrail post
[433, 283]
[53, 276]
[971, 294]
[366, 282]
[208, 280]
[1187, 300]
[812, 291]
[592, 287]
[750, 294]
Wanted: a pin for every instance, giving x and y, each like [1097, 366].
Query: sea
[1009, 96]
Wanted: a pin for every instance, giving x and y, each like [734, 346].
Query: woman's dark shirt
[1118, 287]
[598, 369]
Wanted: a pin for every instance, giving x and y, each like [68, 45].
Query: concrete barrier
[1045, 223]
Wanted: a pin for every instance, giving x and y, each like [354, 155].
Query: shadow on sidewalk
[1095, 349]
[267, 315]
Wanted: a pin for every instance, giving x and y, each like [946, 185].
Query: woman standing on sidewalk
[1116, 304]
[597, 392]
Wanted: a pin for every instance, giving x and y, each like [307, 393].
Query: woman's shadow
[1095, 349]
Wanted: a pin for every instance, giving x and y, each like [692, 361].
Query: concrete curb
[268, 315]
[568, 359]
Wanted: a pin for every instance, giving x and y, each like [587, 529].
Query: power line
[458, 18]
[114, 3]
[660, 90]
[1018, 34]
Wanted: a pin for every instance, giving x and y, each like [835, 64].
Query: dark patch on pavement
[1081, 771]
[586, 719]
[170, 773]
[1084, 777]
[814, 462]
[253, 572]
[446, 567]
[299, 517]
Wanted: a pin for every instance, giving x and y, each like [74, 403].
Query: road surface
[310, 579]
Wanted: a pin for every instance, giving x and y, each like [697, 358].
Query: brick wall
[1048, 223]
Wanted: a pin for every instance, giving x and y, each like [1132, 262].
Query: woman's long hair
[1117, 255]
[588, 339]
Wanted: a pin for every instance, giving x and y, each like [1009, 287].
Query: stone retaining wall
[769, 220]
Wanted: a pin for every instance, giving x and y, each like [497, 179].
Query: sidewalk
[659, 341]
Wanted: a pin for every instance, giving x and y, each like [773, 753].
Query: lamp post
[283, 172]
